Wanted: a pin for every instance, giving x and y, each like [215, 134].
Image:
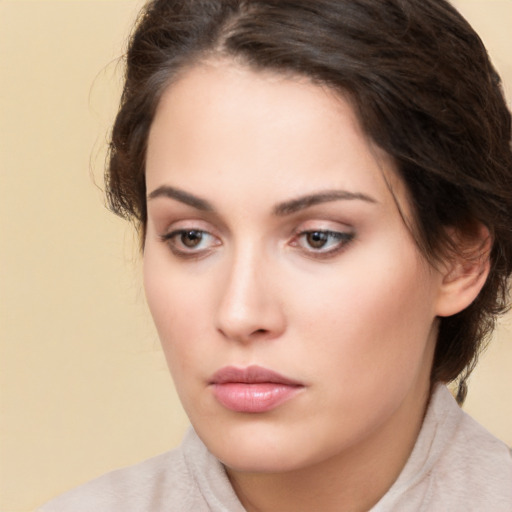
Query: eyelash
[341, 240]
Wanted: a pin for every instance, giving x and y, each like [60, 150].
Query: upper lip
[251, 375]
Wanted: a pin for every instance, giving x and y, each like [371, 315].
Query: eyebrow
[281, 209]
[182, 197]
[295, 205]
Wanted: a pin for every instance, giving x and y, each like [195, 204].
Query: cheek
[176, 312]
[372, 319]
[177, 309]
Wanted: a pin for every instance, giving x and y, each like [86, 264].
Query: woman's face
[295, 311]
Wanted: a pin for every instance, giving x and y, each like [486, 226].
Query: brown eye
[190, 243]
[191, 239]
[322, 243]
[317, 239]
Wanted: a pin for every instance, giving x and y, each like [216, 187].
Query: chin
[257, 447]
[259, 460]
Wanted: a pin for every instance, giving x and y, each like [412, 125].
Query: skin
[354, 321]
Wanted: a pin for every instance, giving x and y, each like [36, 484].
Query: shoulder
[456, 464]
[149, 485]
[475, 467]
[482, 461]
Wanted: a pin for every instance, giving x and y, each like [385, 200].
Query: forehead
[223, 123]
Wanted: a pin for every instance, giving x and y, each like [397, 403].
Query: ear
[464, 272]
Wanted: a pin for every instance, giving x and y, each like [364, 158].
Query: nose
[249, 308]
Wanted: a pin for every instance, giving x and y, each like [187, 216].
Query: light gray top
[456, 465]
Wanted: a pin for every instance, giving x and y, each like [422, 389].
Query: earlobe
[465, 273]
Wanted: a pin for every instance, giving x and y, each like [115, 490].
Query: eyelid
[164, 215]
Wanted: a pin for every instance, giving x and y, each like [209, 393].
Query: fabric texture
[456, 465]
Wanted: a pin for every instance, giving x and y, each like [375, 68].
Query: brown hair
[425, 92]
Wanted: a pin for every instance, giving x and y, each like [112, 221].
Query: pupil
[317, 239]
[191, 238]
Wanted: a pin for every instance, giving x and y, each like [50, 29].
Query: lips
[253, 389]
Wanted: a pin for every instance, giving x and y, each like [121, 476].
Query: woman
[324, 194]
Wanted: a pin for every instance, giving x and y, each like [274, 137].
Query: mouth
[253, 389]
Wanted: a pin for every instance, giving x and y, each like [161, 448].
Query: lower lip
[253, 398]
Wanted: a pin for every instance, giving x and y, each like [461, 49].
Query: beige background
[83, 385]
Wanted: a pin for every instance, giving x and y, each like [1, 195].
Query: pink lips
[253, 389]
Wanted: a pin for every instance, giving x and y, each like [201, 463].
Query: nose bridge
[248, 305]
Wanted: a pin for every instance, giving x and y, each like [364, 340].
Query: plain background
[83, 384]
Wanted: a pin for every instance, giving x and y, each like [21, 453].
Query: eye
[190, 242]
[322, 242]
